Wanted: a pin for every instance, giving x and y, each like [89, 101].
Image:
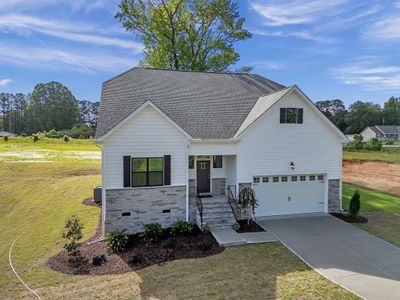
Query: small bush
[135, 260]
[98, 260]
[152, 232]
[116, 240]
[374, 145]
[5, 138]
[206, 228]
[35, 138]
[236, 226]
[66, 138]
[182, 228]
[389, 142]
[73, 233]
[355, 204]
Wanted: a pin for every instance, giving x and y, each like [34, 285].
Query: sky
[336, 49]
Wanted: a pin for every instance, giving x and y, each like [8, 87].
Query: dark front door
[203, 176]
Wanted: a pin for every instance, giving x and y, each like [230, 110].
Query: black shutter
[167, 169]
[283, 115]
[300, 116]
[127, 171]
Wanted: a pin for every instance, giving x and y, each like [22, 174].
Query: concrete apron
[228, 237]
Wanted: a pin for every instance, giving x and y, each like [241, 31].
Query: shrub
[5, 138]
[98, 260]
[247, 199]
[73, 233]
[152, 232]
[116, 240]
[35, 137]
[135, 260]
[236, 226]
[66, 138]
[206, 228]
[182, 228]
[389, 142]
[355, 204]
[374, 145]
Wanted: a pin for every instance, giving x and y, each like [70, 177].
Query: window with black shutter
[217, 161]
[147, 171]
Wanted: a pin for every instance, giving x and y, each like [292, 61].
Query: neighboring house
[4, 133]
[381, 132]
[168, 136]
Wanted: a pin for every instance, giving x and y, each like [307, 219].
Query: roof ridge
[197, 71]
[277, 91]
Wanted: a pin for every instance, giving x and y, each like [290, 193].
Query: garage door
[280, 195]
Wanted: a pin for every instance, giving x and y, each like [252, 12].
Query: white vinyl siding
[147, 134]
[368, 134]
[268, 147]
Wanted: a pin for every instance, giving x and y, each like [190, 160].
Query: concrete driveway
[353, 258]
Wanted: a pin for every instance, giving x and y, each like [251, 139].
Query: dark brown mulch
[169, 248]
[90, 201]
[249, 227]
[349, 219]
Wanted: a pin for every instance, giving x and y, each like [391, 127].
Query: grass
[382, 211]
[386, 155]
[37, 198]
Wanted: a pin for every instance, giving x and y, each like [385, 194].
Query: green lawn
[382, 211]
[37, 197]
[387, 155]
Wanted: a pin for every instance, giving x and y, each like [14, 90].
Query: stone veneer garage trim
[130, 208]
[334, 195]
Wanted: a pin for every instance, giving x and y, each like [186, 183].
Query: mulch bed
[139, 254]
[90, 201]
[347, 218]
[249, 227]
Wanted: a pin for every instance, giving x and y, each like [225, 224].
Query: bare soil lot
[377, 175]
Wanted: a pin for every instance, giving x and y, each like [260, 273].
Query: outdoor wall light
[292, 166]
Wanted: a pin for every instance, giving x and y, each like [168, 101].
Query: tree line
[360, 114]
[51, 106]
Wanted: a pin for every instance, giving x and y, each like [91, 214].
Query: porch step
[217, 213]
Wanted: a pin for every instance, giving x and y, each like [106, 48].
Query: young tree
[248, 201]
[52, 106]
[334, 110]
[73, 233]
[363, 114]
[355, 204]
[185, 34]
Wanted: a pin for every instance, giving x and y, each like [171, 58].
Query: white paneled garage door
[280, 195]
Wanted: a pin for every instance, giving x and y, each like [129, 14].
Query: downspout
[187, 179]
[103, 191]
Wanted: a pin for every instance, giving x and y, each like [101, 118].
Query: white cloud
[4, 82]
[51, 58]
[387, 29]
[77, 32]
[371, 75]
[303, 34]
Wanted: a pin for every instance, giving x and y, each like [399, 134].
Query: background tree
[88, 112]
[334, 110]
[185, 34]
[52, 106]
[391, 111]
[363, 114]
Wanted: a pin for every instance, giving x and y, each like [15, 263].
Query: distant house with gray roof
[180, 145]
[4, 133]
[382, 132]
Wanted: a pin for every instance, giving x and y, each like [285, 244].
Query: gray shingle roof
[388, 129]
[206, 105]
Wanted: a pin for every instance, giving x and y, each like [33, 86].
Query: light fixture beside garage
[292, 165]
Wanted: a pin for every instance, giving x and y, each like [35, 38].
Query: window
[256, 179]
[217, 161]
[294, 178]
[284, 178]
[275, 179]
[291, 115]
[320, 177]
[147, 171]
[191, 162]
[302, 178]
[312, 177]
[265, 179]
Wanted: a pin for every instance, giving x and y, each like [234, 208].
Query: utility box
[97, 194]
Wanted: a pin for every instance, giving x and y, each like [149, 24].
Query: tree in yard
[363, 114]
[73, 233]
[185, 34]
[391, 111]
[355, 204]
[52, 106]
[248, 201]
[334, 110]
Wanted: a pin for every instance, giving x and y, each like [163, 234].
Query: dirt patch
[138, 255]
[249, 227]
[377, 175]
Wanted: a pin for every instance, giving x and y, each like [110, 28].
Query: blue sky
[332, 49]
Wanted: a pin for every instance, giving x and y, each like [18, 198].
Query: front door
[203, 176]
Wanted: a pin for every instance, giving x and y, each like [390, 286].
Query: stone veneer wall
[218, 186]
[192, 187]
[163, 205]
[334, 195]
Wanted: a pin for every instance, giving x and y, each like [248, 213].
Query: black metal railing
[237, 211]
[199, 204]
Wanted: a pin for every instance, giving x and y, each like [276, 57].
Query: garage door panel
[279, 198]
